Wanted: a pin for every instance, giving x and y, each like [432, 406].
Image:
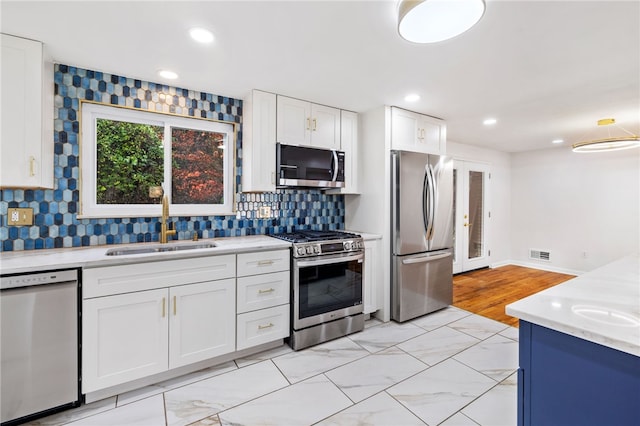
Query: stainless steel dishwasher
[39, 352]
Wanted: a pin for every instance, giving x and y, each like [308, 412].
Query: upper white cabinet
[259, 142]
[304, 123]
[26, 147]
[349, 144]
[411, 131]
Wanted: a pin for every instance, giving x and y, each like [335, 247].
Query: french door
[471, 214]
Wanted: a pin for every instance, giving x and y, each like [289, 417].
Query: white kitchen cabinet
[304, 123]
[350, 145]
[201, 324]
[415, 132]
[259, 142]
[372, 275]
[263, 292]
[26, 147]
[124, 338]
[146, 318]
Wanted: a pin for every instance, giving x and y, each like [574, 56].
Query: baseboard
[540, 266]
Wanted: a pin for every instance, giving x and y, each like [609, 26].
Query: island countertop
[601, 306]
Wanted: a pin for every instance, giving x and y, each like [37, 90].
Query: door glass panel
[476, 213]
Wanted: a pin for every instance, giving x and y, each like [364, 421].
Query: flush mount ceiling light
[609, 143]
[170, 75]
[412, 97]
[430, 21]
[489, 121]
[201, 35]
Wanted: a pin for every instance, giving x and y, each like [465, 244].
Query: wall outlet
[16, 217]
[264, 212]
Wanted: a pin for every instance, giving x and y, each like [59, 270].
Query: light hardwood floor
[486, 292]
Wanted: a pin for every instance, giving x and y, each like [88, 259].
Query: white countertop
[601, 306]
[92, 257]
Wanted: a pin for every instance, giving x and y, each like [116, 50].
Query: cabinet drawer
[263, 262]
[262, 291]
[263, 326]
[145, 276]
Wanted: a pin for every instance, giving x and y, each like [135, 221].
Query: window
[130, 157]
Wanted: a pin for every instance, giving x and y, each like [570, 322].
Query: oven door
[326, 288]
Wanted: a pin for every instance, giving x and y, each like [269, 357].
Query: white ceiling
[544, 69]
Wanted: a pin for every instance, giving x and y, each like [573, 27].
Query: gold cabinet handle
[164, 303]
[315, 124]
[174, 306]
[262, 327]
[32, 165]
[269, 290]
[468, 224]
[265, 263]
[308, 123]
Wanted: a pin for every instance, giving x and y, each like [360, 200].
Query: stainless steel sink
[123, 251]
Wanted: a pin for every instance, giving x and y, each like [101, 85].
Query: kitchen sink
[123, 251]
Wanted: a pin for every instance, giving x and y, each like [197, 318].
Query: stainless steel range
[326, 294]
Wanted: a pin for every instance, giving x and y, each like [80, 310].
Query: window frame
[90, 112]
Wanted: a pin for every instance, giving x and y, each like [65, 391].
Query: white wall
[570, 204]
[499, 196]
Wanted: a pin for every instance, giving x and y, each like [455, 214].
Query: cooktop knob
[309, 250]
[347, 245]
[300, 251]
[316, 249]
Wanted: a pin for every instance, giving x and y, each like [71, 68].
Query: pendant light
[610, 143]
[430, 21]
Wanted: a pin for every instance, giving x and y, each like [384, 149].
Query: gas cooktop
[318, 243]
[305, 236]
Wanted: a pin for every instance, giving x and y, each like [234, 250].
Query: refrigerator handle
[428, 203]
[425, 259]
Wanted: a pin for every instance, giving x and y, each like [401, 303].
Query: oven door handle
[328, 260]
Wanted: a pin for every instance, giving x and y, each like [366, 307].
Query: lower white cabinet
[262, 326]
[124, 337]
[201, 324]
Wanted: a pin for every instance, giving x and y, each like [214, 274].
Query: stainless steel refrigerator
[421, 234]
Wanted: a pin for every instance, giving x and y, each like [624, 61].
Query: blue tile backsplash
[55, 210]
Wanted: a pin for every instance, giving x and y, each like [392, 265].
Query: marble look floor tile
[309, 362]
[477, 326]
[209, 421]
[379, 410]
[440, 391]
[498, 407]
[439, 318]
[460, 419]
[511, 333]
[496, 357]
[76, 413]
[263, 356]
[437, 345]
[208, 397]
[147, 391]
[369, 375]
[301, 404]
[145, 412]
[372, 322]
[384, 336]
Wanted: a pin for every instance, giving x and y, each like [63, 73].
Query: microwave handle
[334, 162]
[286, 166]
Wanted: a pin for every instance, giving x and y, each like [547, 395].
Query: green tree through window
[130, 160]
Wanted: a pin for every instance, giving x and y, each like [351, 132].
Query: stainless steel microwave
[299, 166]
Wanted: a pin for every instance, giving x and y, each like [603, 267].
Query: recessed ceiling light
[556, 141]
[489, 121]
[170, 75]
[412, 97]
[201, 35]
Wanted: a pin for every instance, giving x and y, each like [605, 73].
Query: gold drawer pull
[269, 290]
[174, 306]
[164, 302]
[262, 327]
[265, 263]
